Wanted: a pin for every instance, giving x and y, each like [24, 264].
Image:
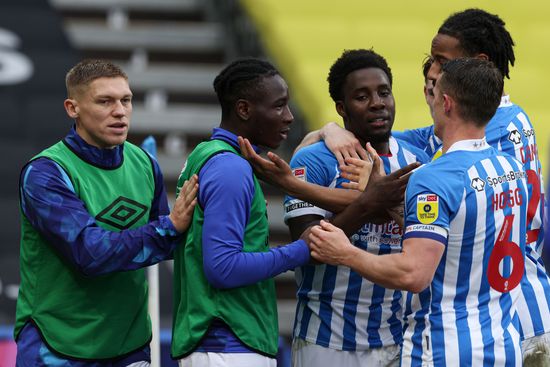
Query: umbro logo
[514, 136]
[122, 213]
[477, 184]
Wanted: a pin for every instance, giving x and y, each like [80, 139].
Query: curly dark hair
[350, 61]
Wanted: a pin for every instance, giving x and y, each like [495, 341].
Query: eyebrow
[111, 96]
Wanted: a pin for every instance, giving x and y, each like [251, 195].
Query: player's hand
[342, 143]
[358, 171]
[329, 244]
[305, 236]
[274, 171]
[182, 212]
[385, 192]
[397, 214]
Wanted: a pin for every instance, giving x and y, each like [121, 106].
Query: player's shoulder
[229, 160]
[507, 113]
[315, 148]
[443, 167]
[419, 154]
[317, 153]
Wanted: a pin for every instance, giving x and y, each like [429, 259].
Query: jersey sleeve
[227, 192]
[423, 138]
[427, 207]
[314, 164]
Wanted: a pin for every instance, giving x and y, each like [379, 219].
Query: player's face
[438, 111]
[444, 48]
[103, 111]
[429, 94]
[368, 107]
[270, 113]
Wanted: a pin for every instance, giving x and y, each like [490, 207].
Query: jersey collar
[505, 101]
[105, 158]
[471, 145]
[230, 138]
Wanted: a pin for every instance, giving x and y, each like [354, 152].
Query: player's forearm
[355, 215]
[331, 199]
[310, 138]
[395, 271]
[227, 266]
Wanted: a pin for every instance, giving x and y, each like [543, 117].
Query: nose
[434, 71]
[377, 102]
[119, 109]
[288, 117]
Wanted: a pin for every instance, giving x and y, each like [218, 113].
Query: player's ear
[482, 56]
[71, 107]
[340, 109]
[447, 103]
[243, 109]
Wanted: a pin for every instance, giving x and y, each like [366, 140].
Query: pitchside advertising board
[34, 57]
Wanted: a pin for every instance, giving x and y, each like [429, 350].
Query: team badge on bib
[427, 208]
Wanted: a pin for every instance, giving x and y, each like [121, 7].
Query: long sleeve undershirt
[226, 194]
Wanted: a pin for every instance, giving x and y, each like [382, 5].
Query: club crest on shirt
[514, 136]
[478, 184]
[427, 208]
[299, 173]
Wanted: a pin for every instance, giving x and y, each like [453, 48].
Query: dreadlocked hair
[482, 32]
[241, 79]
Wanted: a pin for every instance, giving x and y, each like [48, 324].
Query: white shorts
[201, 359]
[536, 351]
[306, 354]
[139, 364]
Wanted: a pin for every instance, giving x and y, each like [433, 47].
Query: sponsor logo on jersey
[505, 177]
[477, 184]
[299, 173]
[528, 132]
[427, 208]
[514, 136]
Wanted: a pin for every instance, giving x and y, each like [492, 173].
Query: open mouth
[284, 133]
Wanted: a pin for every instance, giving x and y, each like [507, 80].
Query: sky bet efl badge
[299, 173]
[427, 208]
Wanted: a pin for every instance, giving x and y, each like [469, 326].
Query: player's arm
[49, 202]
[278, 173]
[412, 269]
[380, 197]
[227, 191]
[340, 142]
[299, 225]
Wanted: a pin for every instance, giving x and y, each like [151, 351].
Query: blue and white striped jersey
[511, 131]
[337, 308]
[423, 137]
[467, 316]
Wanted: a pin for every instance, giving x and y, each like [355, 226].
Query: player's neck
[460, 131]
[381, 147]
